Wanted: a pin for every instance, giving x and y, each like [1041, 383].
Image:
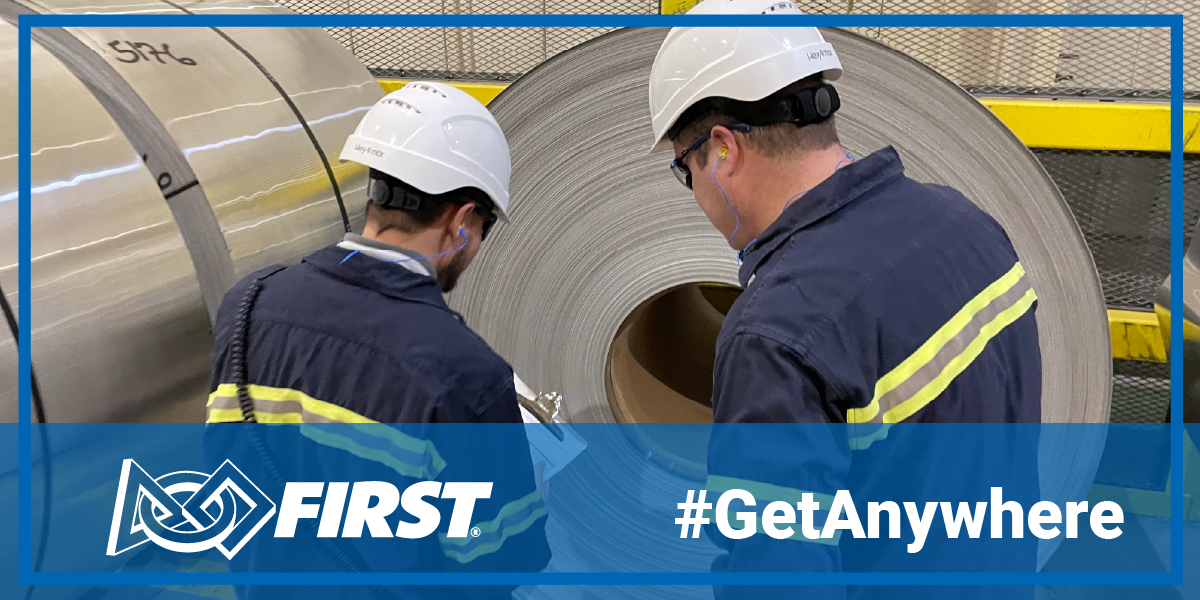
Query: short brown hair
[432, 207]
[782, 140]
[407, 221]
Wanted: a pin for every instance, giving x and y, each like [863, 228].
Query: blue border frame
[26, 22]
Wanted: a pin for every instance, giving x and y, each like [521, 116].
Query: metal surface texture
[598, 227]
[120, 327]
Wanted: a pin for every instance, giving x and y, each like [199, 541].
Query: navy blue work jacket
[375, 369]
[875, 300]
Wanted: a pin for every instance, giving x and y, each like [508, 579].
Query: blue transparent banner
[251, 503]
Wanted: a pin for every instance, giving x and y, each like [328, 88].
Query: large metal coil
[166, 164]
[599, 228]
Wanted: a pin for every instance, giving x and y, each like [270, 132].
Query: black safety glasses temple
[681, 170]
[488, 222]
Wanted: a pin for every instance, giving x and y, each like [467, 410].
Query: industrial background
[1106, 84]
[1082, 99]
[1091, 105]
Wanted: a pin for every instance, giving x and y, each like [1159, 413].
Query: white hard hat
[436, 138]
[741, 63]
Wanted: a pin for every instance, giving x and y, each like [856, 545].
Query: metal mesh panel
[1073, 61]
[1122, 202]
[1141, 392]
[1129, 62]
[477, 53]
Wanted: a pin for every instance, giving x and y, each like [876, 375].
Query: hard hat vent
[781, 7]
[401, 104]
[427, 88]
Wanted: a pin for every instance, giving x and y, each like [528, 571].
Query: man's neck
[423, 243]
[783, 181]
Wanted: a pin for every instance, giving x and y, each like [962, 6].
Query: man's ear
[725, 147]
[458, 219]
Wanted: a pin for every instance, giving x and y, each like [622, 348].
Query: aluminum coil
[598, 227]
[167, 163]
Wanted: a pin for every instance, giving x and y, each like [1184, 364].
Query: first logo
[187, 511]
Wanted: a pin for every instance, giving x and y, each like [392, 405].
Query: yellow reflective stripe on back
[260, 393]
[907, 408]
[328, 436]
[224, 415]
[404, 441]
[931, 352]
[407, 455]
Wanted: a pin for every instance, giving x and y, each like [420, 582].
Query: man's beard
[448, 276]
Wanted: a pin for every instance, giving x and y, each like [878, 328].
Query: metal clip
[545, 406]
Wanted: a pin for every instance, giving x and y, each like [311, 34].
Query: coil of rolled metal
[601, 232]
[166, 163]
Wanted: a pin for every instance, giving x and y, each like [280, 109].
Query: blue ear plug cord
[400, 260]
[738, 221]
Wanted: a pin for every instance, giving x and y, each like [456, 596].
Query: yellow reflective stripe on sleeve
[418, 466]
[861, 437]
[906, 409]
[927, 372]
[513, 518]
[493, 525]
[403, 440]
[766, 493]
[331, 425]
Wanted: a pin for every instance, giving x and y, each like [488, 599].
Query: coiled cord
[237, 349]
[237, 358]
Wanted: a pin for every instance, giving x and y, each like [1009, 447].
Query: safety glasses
[489, 219]
[681, 170]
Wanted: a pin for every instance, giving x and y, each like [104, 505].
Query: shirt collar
[358, 269]
[842, 188]
[389, 253]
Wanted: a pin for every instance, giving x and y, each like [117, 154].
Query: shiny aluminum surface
[8, 211]
[265, 182]
[120, 331]
[109, 261]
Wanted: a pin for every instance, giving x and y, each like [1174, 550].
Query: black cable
[237, 351]
[39, 409]
[237, 357]
[312, 137]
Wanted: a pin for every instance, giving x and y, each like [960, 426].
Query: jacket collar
[413, 261]
[379, 276]
[844, 187]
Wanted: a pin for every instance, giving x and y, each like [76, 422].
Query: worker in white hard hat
[439, 178]
[870, 299]
[359, 334]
